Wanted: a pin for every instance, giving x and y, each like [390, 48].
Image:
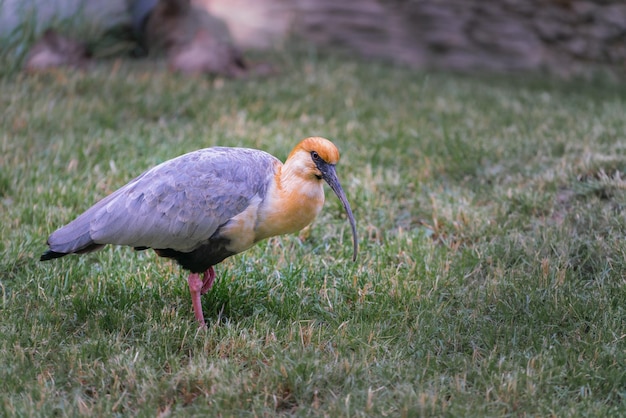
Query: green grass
[490, 280]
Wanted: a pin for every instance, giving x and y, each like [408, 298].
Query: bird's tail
[73, 238]
[49, 255]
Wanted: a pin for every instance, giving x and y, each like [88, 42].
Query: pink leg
[207, 281]
[195, 287]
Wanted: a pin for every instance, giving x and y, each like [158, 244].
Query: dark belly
[200, 259]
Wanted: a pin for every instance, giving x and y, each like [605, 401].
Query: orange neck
[294, 199]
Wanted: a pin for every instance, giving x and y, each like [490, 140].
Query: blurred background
[563, 37]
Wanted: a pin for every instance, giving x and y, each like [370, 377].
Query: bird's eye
[315, 155]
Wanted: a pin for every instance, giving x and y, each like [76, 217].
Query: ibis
[207, 205]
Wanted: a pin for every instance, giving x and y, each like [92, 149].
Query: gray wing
[178, 204]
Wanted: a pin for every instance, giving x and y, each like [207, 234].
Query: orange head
[314, 159]
[307, 157]
[322, 146]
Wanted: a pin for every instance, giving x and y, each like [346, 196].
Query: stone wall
[562, 36]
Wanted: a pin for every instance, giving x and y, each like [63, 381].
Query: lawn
[490, 279]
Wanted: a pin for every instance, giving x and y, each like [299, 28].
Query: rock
[205, 54]
[54, 50]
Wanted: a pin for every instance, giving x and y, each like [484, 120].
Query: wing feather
[178, 204]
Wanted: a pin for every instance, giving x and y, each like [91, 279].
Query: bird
[207, 205]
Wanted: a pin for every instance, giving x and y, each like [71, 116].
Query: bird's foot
[207, 280]
[195, 288]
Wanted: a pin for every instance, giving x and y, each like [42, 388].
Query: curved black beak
[330, 176]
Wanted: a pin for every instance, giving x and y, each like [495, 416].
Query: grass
[490, 280]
